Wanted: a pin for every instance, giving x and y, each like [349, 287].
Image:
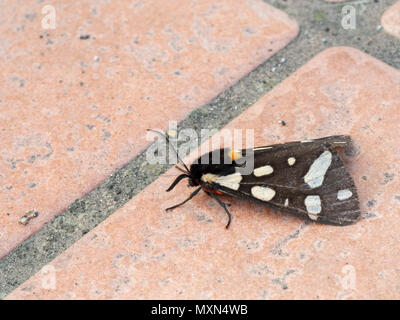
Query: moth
[306, 178]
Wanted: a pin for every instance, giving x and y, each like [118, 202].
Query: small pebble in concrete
[28, 216]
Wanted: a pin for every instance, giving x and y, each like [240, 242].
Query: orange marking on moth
[234, 155]
[212, 191]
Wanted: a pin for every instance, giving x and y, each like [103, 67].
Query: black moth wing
[328, 196]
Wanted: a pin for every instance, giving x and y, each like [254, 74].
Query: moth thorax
[209, 178]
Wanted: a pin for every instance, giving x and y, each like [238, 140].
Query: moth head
[193, 180]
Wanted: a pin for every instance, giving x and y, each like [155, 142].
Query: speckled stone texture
[75, 100]
[391, 20]
[143, 252]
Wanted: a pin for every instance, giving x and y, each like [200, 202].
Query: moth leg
[223, 205]
[183, 202]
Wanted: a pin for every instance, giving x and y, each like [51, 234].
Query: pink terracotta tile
[391, 20]
[75, 100]
[143, 252]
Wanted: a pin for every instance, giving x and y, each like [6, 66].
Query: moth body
[307, 178]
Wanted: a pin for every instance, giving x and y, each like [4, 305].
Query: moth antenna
[180, 169]
[170, 144]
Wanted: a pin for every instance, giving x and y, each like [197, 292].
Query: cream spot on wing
[313, 205]
[231, 181]
[263, 171]
[286, 202]
[344, 194]
[316, 173]
[313, 216]
[291, 161]
[263, 193]
[209, 178]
